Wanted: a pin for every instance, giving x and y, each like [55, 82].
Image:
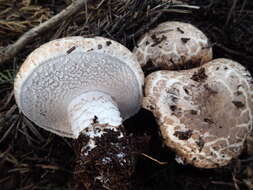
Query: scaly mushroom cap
[250, 144]
[61, 70]
[205, 114]
[172, 45]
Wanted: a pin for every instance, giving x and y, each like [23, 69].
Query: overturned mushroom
[84, 88]
[205, 114]
[173, 45]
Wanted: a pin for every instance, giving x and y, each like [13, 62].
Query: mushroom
[204, 114]
[84, 88]
[249, 144]
[173, 45]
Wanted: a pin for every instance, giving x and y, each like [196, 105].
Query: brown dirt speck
[238, 104]
[200, 75]
[108, 43]
[71, 49]
[183, 135]
[194, 112]
[157, 40]
[200, 143]
[173, 107]
[185, 40]
[180, 30]
[207, 120]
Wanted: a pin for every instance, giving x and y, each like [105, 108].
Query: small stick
[222, 183]
[10, 51]
[155, 160]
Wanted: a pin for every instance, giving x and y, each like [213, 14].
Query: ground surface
[31, 158]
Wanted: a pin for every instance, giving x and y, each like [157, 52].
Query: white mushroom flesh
[92, 108]
[205, 114]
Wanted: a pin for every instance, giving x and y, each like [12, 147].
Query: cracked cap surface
[205, 114]
[172, 45]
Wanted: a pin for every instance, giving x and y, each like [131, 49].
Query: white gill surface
[52, 86]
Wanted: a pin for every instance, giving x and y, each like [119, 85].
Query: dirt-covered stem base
[107, 163]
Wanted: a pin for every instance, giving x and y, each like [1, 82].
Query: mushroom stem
[93, 108]
[104, 151]
[84, 88]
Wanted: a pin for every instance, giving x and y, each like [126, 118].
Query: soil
[31, 158]
[111, 163]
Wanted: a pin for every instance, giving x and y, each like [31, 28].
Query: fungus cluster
[84, 88]
[204, 112]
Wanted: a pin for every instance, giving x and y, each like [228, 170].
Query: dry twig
[10, 51]
[153, 159]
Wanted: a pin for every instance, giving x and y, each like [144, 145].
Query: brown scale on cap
[205, 121]
[172, 45]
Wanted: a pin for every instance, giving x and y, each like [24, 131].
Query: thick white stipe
[93, 107]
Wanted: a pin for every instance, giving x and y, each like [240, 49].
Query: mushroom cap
[63, 69]
[172, 45]
[249, 144]
[205, 114]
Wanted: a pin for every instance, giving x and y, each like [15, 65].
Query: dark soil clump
[110, 164]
